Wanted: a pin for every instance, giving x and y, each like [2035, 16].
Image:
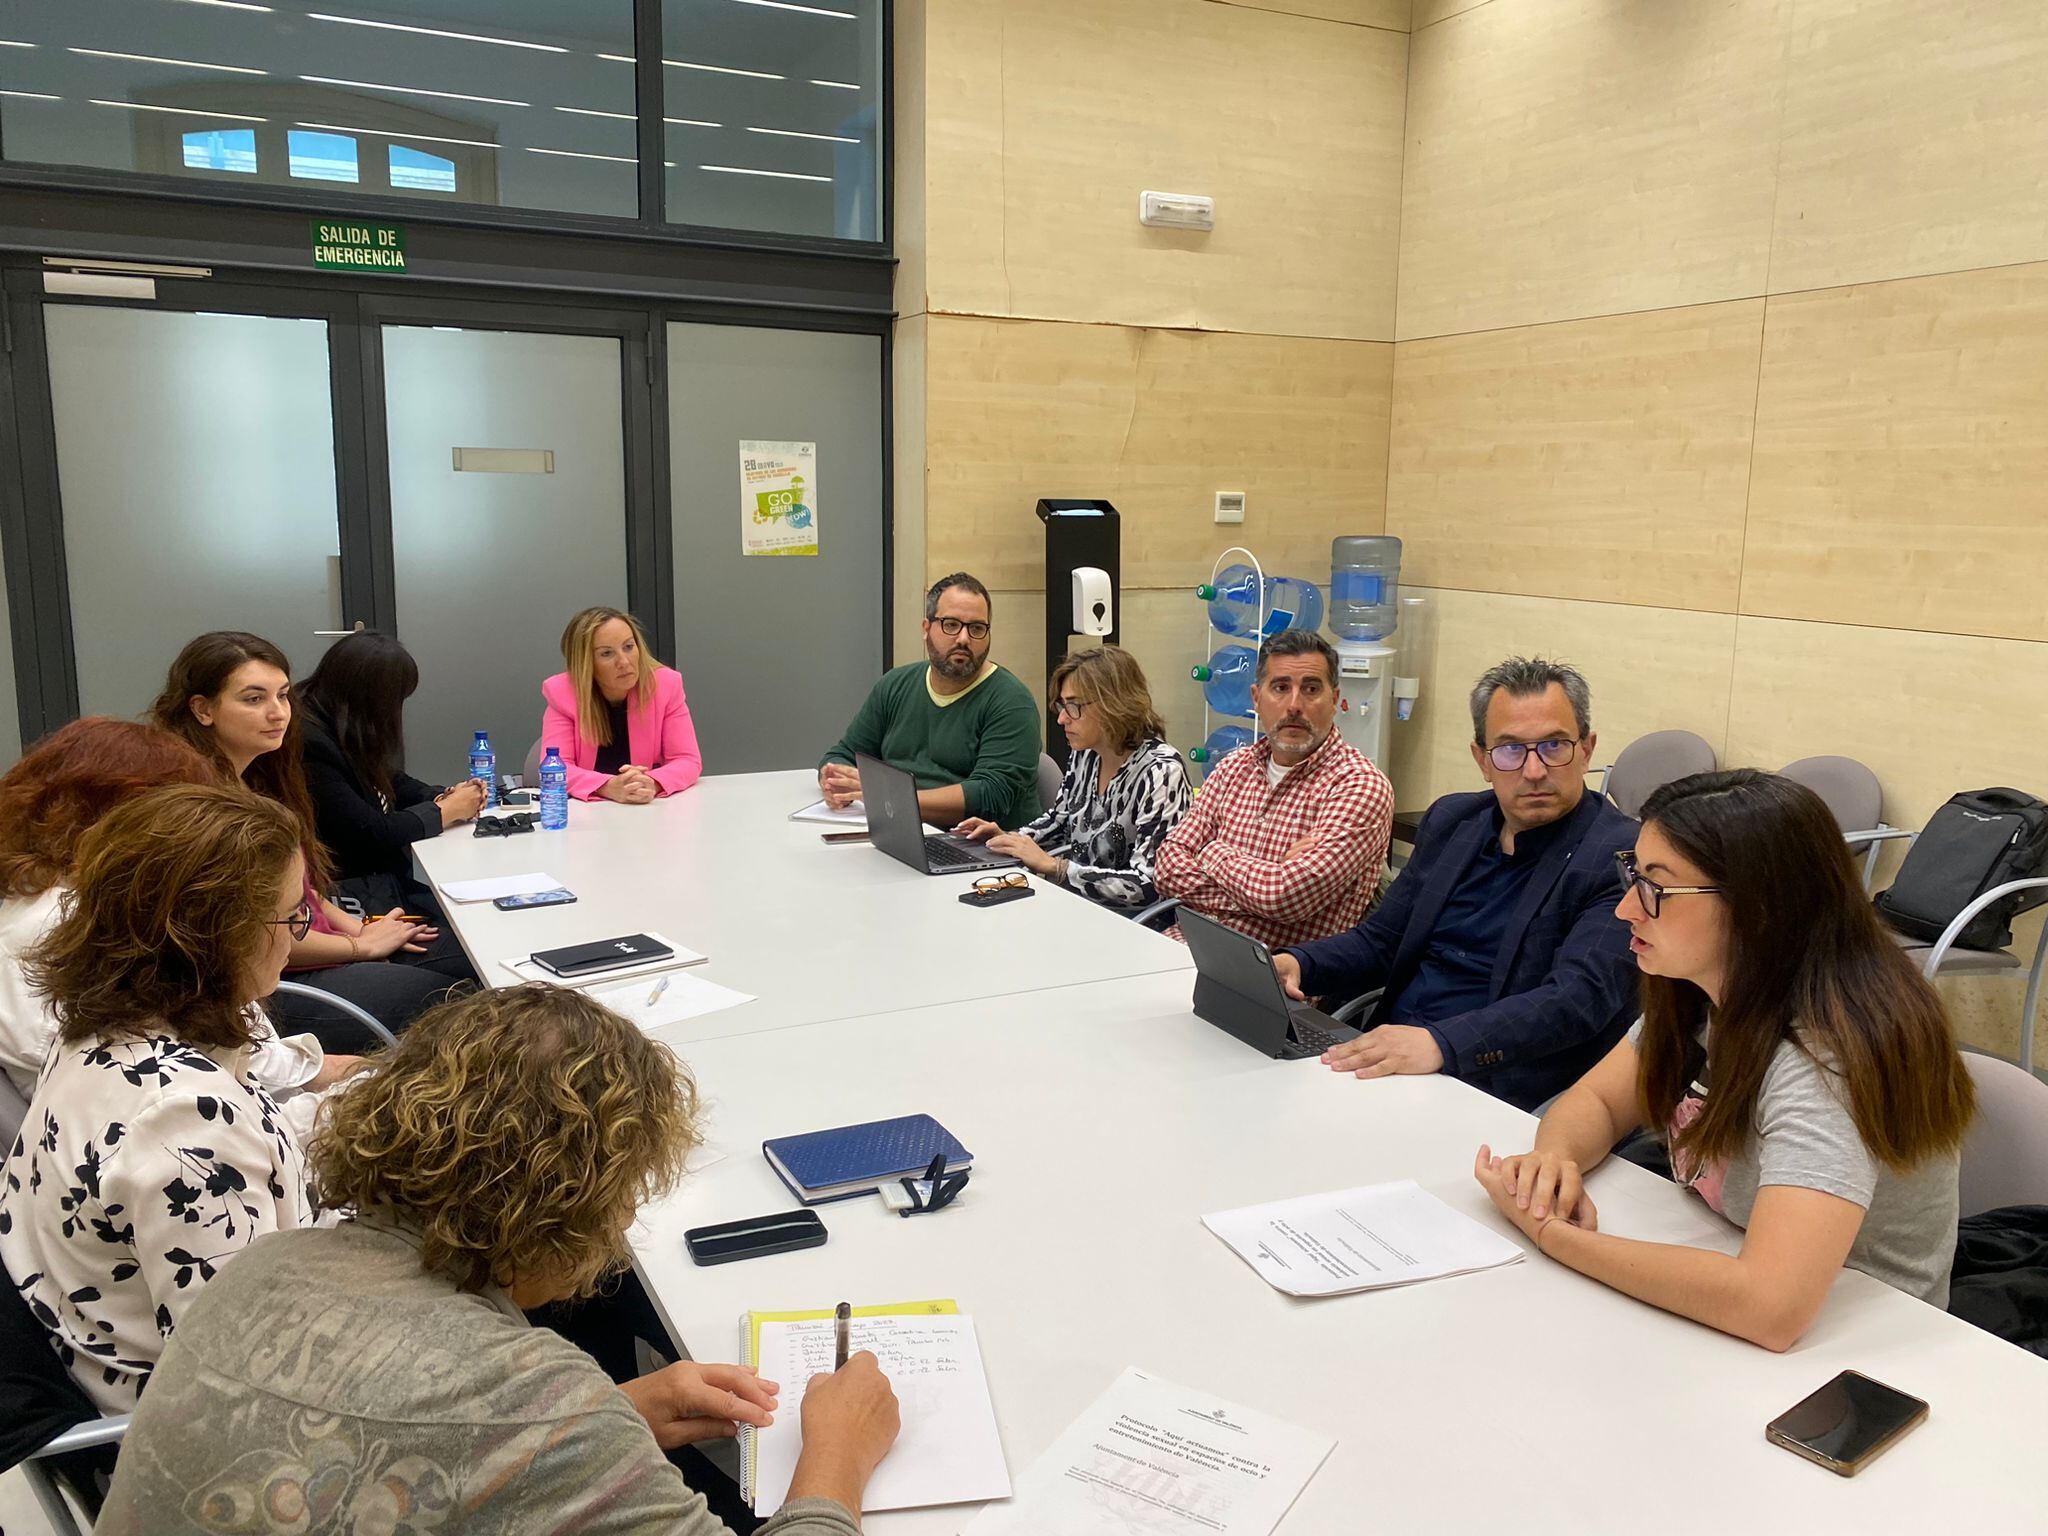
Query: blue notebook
[858, 1159]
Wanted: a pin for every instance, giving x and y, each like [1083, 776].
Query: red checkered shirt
[1228, 857]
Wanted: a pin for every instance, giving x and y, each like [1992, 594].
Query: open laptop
[895, 827]
[1237, 991]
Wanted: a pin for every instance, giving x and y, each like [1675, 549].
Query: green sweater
[987, 743]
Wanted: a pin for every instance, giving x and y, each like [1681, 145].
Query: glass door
[509, 495]
[195, 455]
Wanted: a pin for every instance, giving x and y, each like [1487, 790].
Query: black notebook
[604, 955]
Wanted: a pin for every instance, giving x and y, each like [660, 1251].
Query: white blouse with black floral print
[144, 1164]
[1113, 837]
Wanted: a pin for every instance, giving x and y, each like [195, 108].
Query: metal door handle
[337, 634]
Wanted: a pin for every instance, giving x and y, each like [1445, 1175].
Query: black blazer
[1563, 989]
[359, 834]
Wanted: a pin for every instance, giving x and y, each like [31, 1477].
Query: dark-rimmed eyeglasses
[988, 885]
[977, 629]
[1509, 756]
[1069, 709]
[1648, 891]
[300, 923]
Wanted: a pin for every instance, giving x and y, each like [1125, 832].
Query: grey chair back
[13, 1110]
[2005, 1153]
[532, 769]
[1650, 762]
[1049, 779]
[1849, 790]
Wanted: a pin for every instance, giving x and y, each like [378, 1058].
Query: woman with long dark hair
[229, 694]
[1802, 1070]
[368, 810]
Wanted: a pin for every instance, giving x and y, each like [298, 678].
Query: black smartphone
[843, 837]
[604, 955]
[757, 1235]
[558, 897]
[1847, 1424]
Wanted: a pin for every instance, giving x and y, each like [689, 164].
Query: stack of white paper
[498, 885]
[1152, 1457]
[853, 818]
[1359, 1240]
[668, 998]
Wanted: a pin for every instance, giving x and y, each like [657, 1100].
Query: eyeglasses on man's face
[1509, 756]
[1069, 709]
[300, 921]
[1648, 891]
[977, 629]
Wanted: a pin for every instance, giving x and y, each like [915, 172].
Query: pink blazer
[660, 738]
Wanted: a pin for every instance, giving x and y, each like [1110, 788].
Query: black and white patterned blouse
[1113, 837]
[143, 1165]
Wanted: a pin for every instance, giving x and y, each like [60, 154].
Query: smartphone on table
[1847, 1424]
[558, 897]
[784, 1232]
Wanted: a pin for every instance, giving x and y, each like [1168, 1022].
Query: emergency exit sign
[349, 245]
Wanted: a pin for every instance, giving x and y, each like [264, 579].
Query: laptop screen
[1234, 961]
[890, 795]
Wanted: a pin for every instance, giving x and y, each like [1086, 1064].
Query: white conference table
[1105, 1120]
[815, 931]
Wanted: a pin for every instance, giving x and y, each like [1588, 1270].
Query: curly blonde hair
[517, 1130]
[171, 894]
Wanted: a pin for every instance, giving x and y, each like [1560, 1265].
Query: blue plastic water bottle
[1222, 741]
[1227, 679]
[483, 764]
[1234, 602]
[554, 792]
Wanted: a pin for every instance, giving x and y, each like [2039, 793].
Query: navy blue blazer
[1563, 989]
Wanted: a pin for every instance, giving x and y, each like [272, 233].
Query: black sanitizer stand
[1078, 534]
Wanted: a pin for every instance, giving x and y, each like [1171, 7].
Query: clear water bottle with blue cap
[1365, 586]
[1233, 600]
[1226, 679]
[1222, 741]
[554, 792]
[483, 764]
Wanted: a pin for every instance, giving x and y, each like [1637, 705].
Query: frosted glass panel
[491, 565]
[822, 613]
[195, 460]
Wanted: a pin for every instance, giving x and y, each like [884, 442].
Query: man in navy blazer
[1498, 948]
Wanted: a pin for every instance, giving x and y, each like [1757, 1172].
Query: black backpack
[1978, 840]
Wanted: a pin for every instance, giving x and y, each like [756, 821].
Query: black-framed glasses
[977, 629]
[1509, 756]
[1648, 891]
[300, 923]
[988, 885]
[1069, 709]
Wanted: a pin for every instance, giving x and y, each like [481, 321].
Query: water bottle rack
[1208, 629]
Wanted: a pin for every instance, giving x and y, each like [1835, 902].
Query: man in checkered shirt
[1286, 840]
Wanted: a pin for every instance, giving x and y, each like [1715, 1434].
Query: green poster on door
[351, 245]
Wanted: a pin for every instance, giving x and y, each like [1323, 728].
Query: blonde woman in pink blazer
[617, 715]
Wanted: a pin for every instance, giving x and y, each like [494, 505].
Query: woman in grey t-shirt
[1801, 1070]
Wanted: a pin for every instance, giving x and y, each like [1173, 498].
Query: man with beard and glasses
[1286, 840]
[964, 728]
[1498, 950]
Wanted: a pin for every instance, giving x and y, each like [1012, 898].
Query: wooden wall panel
[907, 520]
[1915, 140]
[1901, 455]
[1157, 422]
[1048, 119]
[1603, 459]
[1428, 13]
[1588, 157]
[1391, 14]
[1650, 669]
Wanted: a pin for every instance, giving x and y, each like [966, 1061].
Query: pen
[397, 917]
[842, 1328]
[660, 987]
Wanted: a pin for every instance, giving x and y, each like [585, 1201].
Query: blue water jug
[1227, 679]
[1234, 602]
[1365, 587]
[1222, 741]
[483, 764]
[554, 792]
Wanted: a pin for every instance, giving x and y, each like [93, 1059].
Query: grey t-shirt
[1804, 1136]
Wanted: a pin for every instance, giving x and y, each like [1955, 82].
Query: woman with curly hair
[384, 1369]
[152, 1155]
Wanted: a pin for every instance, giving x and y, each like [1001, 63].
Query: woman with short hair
[492, 1163]
[152, 1155]
[1802, 1070]
[617, 716]
[1124, 789]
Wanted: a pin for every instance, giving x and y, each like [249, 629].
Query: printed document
[1150, 1457]
[851, 818]
[1359, 1240]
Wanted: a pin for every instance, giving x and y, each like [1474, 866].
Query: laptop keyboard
[944, 855]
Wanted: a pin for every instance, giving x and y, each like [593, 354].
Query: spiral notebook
[948, 1451]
